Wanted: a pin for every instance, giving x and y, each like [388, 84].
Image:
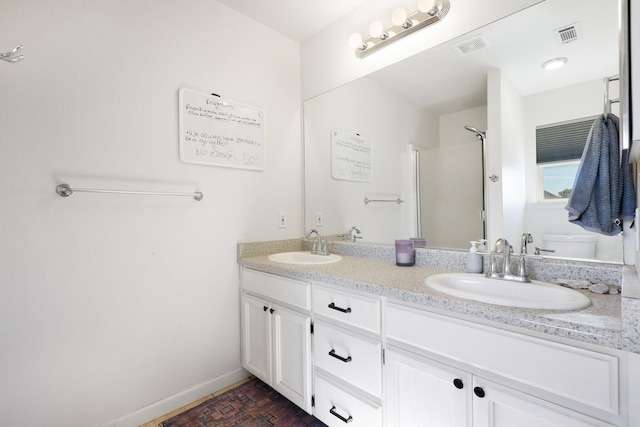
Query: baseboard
[164, 406]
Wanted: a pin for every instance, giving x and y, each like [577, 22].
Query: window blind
[561, 142]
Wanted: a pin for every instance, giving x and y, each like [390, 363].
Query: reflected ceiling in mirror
[452, 76]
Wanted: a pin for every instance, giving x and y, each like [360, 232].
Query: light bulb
[377, 30]
[399, 17]
[426, 6]
[355, 41]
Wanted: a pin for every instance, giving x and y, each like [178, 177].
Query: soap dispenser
[474, 259]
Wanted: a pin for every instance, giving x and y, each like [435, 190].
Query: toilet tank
[571, 245]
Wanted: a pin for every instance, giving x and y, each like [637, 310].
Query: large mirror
[470, 110]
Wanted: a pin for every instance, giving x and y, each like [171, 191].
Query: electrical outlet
[319, 219]
[282, 220]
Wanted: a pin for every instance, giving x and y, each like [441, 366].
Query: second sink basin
[536, 294]
[304, 258]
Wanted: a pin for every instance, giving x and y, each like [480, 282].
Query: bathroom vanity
[365, 342]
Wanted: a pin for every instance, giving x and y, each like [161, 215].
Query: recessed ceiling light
[554, 64]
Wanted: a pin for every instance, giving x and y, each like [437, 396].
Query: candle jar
[405, 253]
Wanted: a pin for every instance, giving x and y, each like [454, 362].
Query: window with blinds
[559, 148]
[561, 142]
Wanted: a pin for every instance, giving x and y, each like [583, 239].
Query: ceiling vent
[470, 46]
[568, 33]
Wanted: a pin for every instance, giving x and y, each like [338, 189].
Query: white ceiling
[296, 19]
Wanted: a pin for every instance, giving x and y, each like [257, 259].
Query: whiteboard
[219, 132]
[351, 156]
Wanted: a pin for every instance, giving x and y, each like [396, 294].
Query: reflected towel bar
[607, 100]
[65, 190]
[367, 200]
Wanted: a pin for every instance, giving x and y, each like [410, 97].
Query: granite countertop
[599, 324]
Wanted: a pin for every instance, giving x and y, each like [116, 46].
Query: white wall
[110, 303]
[328, 61]
[569, 103]
[505, 146]
[374, 111]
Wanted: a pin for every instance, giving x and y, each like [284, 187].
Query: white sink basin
[304, 258]
[536, 294]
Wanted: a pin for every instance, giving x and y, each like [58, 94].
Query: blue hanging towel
[603, 193]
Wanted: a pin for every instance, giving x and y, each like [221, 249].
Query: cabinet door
[292, 356]
[422, 392]
[256, 337]
[498, 406]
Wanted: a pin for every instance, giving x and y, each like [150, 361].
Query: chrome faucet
[319, 245]
[522, 268]
[526, 238]
[504, 250]
[350, 236]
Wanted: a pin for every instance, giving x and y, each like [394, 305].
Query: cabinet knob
[271, 310]
[479, 391]
[265, 308]
[458, 383]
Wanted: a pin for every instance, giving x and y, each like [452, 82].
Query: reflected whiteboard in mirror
[426, 100]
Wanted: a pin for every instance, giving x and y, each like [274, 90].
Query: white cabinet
[582, 384]
[498, 406]
[276, 340]
[256, 338]
[374, 362]
[347, 355]
[419, 389]
[336, 406]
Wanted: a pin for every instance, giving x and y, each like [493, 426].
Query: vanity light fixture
[554, 64]
[429, 12]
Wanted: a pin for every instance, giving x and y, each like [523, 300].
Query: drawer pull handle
[344, 310]
[479, 391]
[458, 383]
[335, 414]
[347, 359]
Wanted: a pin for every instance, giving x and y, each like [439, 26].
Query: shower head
[479, 134]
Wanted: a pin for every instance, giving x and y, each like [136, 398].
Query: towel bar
[65, 190]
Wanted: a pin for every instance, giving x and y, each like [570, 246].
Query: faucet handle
[538, 250]
[501, 245]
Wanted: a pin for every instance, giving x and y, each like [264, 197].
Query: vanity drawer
[352, 358]
[335, 407]
[281, 289]
[351, 309]
[586, 377]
